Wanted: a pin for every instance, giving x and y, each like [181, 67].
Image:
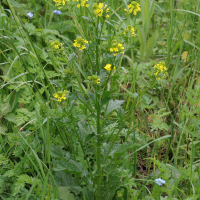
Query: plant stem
[98, 149]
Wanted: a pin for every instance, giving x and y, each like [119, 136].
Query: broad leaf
[56, 152]
[151, 44]
[70, 166]
[112, 105]
[65, 193]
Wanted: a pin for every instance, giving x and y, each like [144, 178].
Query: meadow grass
[98, 102]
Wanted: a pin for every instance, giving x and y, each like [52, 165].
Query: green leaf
[87, 18]
[121, 148]
[65, 193]
[3, 15]
[164, 137]
[142, 41]
[65, 179]
[109, 23]
[30, 28]
[193, 197]
[146, 17]
[112, 105]
[20, 8]
[9, 173]
[49, 31]
[76, 190]
[91, 96]
[71, 57]
[22, 179]
[176, 170]
[52, 74]
[5, 108]
[56, 152]
[3, 160]
[70, 166]
[67, 156]
[151, 8]
[151, 44]
[3, 129]
[89, 137]
[11, 117]
[121, 113]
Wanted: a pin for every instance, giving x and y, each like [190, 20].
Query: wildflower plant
[160, 71]
[101, 9]
[61, 95]
[116, 48]
[133, 8]
[82, 105]
[79, 119]
[95, 87]
[159, 181]
[60, 3]
[94, 79]
[82, 3]
[56, 45]
[57, 12]
[30, 15]
[80, 43]
[108, 67]
[129, 31]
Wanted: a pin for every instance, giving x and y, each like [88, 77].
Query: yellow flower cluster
[82, 3]
[160, 70]
[60, 3]
[60, 95]
[56, 45]
[129, 31]
[97, 81]
[117, 48]
[94, 79]
[134, 7]
[100, 8]
[80, 43]
[108, 67]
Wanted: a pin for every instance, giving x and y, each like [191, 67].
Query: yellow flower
[94, 79]
[97, 81]
[129, 31]
[117, 48]
[56, 45]
[60, 3]
[101, 9]
[134, 7]
[108, 67]
[60, 95]
[82, 3]
[160, 70]
[80, 43]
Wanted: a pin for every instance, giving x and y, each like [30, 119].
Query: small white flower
[159, 181]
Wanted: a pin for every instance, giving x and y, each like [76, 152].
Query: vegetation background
[72, 129]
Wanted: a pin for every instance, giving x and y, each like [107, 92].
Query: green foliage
[111, 133]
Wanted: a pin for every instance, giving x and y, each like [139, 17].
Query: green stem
[98, 149]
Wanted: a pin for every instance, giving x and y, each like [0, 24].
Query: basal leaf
[56, 152]
[70, 166]
[65, 193]
[151, 43]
